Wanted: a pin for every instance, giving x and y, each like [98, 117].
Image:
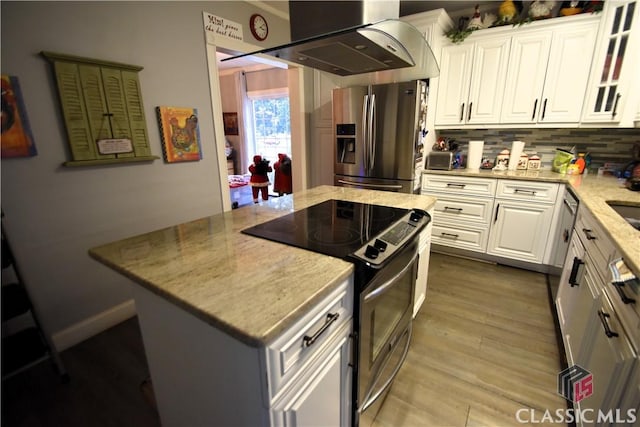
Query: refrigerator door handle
[372, 132]
[372, 186]
[365, 151]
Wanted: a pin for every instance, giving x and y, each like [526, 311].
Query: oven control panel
[393, 238]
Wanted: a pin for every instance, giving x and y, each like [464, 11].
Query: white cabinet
[322, 395]
[472, 82]
[525, 77]
[424, 250]
[462, 212]
[204, 376]
[520, 230]
[547, 74]
[567, 73]
[612, 94]
[609, 357]
[594, 334]
[522, 220]
[505, 218]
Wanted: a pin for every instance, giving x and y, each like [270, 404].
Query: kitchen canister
[516, 151]
[534, 162]
[474, 156]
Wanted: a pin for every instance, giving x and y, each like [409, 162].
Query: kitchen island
[216, 307]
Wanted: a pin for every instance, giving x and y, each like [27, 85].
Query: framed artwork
[17, 140]
[180, 134]
[230, 123]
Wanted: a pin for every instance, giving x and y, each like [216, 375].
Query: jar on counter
[503, 158]
[522, 162]
[534, 162]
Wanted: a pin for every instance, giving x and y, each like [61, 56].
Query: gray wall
[53, 214]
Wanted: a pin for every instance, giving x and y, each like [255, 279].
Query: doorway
[257, 121]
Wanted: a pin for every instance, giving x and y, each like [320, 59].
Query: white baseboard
[93, 325]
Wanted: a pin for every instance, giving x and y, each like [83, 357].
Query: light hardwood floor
[484, 346]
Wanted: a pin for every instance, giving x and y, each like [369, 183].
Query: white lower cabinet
[505, 218]
[322, 395]
[424, 251]
[594, 335]
[203, 376]
[520, 230]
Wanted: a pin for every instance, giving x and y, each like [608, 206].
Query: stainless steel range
[382, 243]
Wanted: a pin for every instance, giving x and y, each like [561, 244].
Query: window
[102, 109]
[272, 127]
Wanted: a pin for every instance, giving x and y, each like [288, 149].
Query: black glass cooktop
[336, 228]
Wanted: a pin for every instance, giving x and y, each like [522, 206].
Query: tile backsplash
[604, 145]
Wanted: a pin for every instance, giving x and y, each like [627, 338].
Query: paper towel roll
[474, 157]
[516, 151]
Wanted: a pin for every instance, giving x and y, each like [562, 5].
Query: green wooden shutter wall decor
[100, 100]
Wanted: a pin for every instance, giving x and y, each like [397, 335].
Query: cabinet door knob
[462, 112]
[469, 114]
[544, 108]
[615, 106]
[535, 107]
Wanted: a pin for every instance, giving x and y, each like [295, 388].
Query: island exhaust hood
[354, 37]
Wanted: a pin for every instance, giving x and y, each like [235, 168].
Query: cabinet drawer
[527, 190]
[470, 238]
[290, 353]
[459, 185]
[596, 242]
[464, 209]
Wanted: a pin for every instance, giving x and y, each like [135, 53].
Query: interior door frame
[299, 100]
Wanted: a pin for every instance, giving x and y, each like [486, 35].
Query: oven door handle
[380, 289]
[371, 396]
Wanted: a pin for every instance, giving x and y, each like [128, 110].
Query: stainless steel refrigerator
[379, 134]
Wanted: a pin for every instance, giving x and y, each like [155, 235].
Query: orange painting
[180, 134]
[16, 140]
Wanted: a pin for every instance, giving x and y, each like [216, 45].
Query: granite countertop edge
[593, 191]
[213, 271]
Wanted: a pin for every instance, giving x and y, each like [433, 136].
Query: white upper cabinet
[471, 85]
[612, 94]
[548, 73]
[567, 72]
[536, 74]
[525, 77]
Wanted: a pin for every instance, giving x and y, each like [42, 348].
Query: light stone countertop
[249, 287]
[593, 191]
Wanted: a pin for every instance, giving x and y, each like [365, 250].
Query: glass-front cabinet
[614, 67]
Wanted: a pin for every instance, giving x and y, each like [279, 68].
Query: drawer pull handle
[575, 269]
[449, 208]
[449, 235]
[449, 184]
[587, 232]
[625, 299]
[518, 190]
[309, 340]
[607, 330]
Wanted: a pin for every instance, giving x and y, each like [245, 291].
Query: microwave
[442, 160]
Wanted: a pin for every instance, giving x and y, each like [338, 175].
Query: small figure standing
[259, 181]
[282, 184]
